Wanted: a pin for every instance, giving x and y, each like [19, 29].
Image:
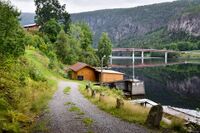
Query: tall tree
[51, 9]
[11, 33]
[51, 28]
[67, 48]
[104, 48]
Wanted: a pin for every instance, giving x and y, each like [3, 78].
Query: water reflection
[175, 85]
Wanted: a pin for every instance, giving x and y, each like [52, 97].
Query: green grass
[87, 121]
[129, 112]
[74, 109]
[195, 54]
[30, 85]
[67, 90]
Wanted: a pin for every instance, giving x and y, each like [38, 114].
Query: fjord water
[175, 85]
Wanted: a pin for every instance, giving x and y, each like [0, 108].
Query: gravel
[64, 121]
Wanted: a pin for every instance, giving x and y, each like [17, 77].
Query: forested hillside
[145, 26]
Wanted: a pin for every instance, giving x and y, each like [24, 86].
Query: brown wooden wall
[87, 73]
[109, 77]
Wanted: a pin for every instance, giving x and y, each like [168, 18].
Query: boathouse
[82, 71]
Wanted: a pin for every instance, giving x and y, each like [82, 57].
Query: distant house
[31, 27]
[82, 71]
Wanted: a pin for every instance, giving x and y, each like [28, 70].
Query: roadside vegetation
[105, 99]
[32, 61]
[128, 112]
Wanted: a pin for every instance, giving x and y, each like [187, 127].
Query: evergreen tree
[104, 48]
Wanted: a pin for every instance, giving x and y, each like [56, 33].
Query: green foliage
[25, 89]
[51, 28]
[76, 45]
[62, 46]
[104, 48]
[51, 9]
[36, 75]
[11, 34]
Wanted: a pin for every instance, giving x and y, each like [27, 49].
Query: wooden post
[120, 103]
[93, 93]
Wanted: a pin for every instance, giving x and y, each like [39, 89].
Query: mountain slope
[27, 18]
[125, 24]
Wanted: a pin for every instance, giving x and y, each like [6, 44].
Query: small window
[80, 77]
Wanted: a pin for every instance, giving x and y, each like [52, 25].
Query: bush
[36, 75]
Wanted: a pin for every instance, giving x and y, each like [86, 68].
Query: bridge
[145, 65]
[133, 50]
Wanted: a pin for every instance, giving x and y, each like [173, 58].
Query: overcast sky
[74, 6]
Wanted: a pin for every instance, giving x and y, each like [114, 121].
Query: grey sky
[74, 6]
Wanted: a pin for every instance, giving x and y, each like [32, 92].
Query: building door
[80, 77]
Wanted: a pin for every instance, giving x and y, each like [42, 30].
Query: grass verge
[129, 112]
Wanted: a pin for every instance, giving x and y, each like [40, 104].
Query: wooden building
[82, 71]
[110, 76]
[31, 27]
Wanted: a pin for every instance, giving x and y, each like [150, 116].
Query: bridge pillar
[133, 58]
[166, 56]
[111, 59]
[142, 57]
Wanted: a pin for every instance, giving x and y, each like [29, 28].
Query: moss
[74, 109]
[67, 90]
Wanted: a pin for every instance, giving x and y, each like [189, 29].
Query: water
[175, 85]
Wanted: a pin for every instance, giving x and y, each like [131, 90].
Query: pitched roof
[78, 66]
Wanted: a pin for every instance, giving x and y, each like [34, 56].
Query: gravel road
[64, 121]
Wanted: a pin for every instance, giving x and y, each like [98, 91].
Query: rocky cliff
[188, 23]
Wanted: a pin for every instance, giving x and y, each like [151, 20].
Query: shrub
[36, 75]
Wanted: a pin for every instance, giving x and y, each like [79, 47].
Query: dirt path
[64, 121]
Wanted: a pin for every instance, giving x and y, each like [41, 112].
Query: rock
[154, 117]
[120, 103]
[101, 97]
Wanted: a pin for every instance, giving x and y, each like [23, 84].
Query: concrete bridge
[145, 65]
[133, 50]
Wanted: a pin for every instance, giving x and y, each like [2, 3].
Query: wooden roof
[78, 66]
